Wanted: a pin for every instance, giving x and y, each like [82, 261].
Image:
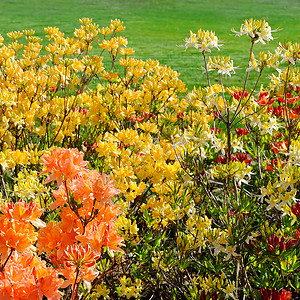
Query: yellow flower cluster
[129, 288]
[28, 187]
[10, 158]
[210, 284]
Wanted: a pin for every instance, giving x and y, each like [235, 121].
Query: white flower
[217, 248]
[191, 41]
[246, 29]
[264, 35]
[230, 251]
[214, 42]
[273, 202]
[253, 65]
[286, 53]
[270, 126]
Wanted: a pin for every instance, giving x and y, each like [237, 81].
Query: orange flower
[16, 235]
[91, 185]
[103, 188]
[63, 164]
[80, 257]
[87, 275]
[22, 211]
[54, 240]
[108, 213]
[27, 277]
[49, 237]
[79, 264]
[48, 286]
[99, 234]
[89, 188]
[61, 197]
[69, 221]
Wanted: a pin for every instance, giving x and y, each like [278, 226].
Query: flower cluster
[268, 294]
[86, 219]
[222, 65]
[22, 273]
[258, 30]
[202, 41]
[73, 245]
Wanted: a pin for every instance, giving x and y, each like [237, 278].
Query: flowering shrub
[151, 192]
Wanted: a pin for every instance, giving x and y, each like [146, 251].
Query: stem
[259, 162]
[67, 293]
[228, 124]
[199, 181]
[10, 254]
[75, 289]
[228, 128]
[220, 115]
[223, 95]
[281, 272]
[287, 111]
[3, 183]
[249, 97]
[247, 281]
[237, 273]
[236, 191]
[73, 207]
[245, 84]
[206, 70]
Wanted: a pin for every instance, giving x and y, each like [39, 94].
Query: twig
[75, 287]
[206, 70]
[3, 183]
[245, 84]
[4, 264]
[246, 278]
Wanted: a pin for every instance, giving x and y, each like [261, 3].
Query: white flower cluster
[202, 41]
[289, 52]
[259, 31]
[223, 65]
[268, 60]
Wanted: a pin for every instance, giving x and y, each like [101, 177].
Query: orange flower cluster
[63, 164]
[16, 230]
[23, 275]
[28, 277]
[73, 245]
[87, 217]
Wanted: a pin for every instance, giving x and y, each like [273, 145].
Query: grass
[155, 28]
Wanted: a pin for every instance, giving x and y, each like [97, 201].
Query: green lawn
[155, 28]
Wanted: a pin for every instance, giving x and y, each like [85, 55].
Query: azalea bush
[118, 183]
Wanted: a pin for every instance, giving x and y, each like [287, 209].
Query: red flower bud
[296, 209]
[215, 130]
[282, 245]
[275, 240]
[221, 159]
[241, 131]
